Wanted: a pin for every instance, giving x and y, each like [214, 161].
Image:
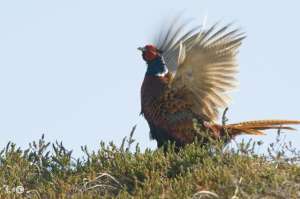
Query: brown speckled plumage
[167, 110]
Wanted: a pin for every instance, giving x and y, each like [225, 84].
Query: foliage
[48, 171]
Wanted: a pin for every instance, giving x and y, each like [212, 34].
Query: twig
[224, 118]
[237, 189]
[130, 139]
[199, 194]
[33, 191]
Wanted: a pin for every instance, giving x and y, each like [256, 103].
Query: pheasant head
[155, 62]
[150, 52]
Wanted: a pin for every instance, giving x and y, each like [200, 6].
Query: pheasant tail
[257, 127]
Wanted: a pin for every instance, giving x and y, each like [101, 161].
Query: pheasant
[188, 76]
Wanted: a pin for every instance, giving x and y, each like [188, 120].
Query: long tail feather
[257, 127]
[266, 122]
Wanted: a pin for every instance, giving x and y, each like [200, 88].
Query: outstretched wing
[204, 63]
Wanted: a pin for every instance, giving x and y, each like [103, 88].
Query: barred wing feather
[204, 63]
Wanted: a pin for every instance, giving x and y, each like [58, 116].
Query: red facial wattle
[150, 52]
[150, 55]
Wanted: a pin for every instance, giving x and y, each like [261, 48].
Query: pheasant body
[186, 82]
[167, 118]
[169, 113]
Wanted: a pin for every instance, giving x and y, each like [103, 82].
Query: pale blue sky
[70, 69]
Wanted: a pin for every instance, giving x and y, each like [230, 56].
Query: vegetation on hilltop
[46, 170]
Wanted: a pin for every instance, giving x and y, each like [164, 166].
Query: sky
[71, 69]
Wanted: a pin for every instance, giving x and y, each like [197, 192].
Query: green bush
[49, 171]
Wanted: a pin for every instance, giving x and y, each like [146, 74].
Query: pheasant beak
[141, 49]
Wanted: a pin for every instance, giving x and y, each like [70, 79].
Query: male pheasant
[188, 76]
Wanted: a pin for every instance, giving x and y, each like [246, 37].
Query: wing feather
[204, 63]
